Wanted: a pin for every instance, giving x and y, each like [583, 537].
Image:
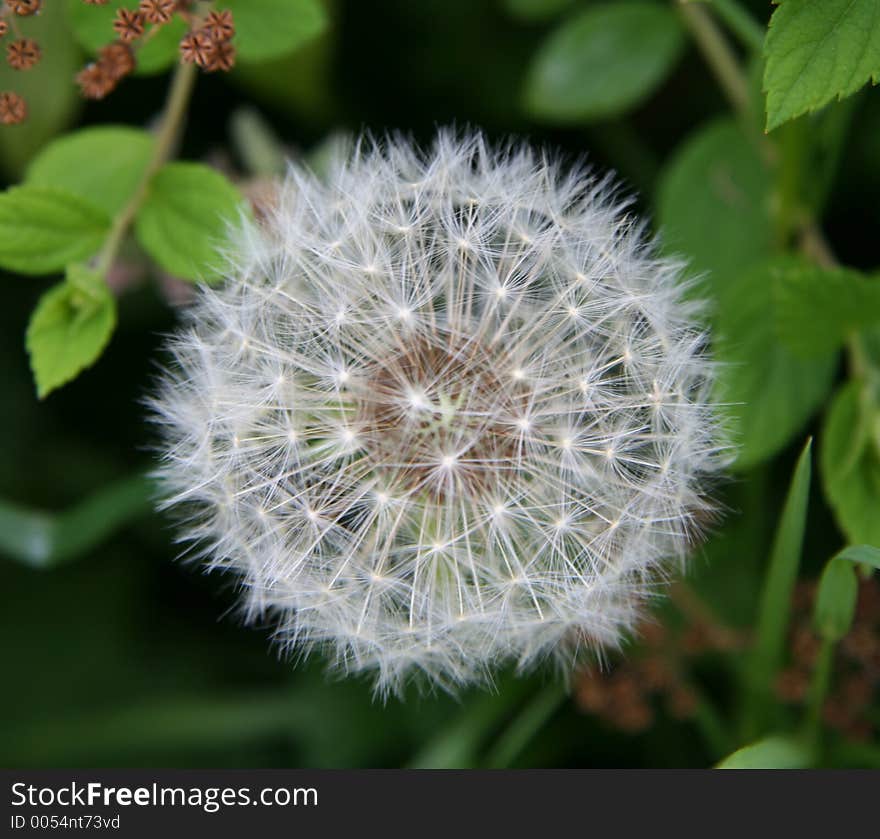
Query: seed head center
[434, 414]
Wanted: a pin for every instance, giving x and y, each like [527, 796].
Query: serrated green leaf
[533, 10]
[850, 463]
[767, 392]
[818, 307]
[69, 328]
[93, 28]
[266, 29]
[102, 165]
[770, 753]
[603, 61]
[52, 100]
[775, 605]
[836, 599]
[713, 203]
[42, 229]
[185, 217]
[818, 50]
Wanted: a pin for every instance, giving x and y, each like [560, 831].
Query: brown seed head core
[434, 416]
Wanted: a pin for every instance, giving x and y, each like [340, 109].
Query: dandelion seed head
[449, 410]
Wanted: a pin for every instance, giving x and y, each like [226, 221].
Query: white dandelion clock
[449, 410]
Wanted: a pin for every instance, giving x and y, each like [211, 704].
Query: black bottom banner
[412, 803]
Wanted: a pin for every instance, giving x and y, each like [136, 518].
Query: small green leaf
[185, 217]
[603, 61]
[52, 101]
[42, 229]
[102, 165]
[836, 599]
[817, 50]
[850, 463]
[818, 307]
[531, 10]
[713, 203]
[767, 393]
[266, 29]
[69, 328]
[93, 28]
[775, 605]
[769, 753]
[861, 555]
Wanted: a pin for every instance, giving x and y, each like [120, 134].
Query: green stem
[711, 726]
[719, 56]
[741, 23]
[524, 726]
[817, 694]
[170, 125]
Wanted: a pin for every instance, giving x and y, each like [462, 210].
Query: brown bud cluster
[210, 45]
[21, 54]
[856, 679]
[207, 44]
[115, 61]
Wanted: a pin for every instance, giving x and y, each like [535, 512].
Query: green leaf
[850, 463]
[713, 203]
[266, 29]
[93, 28]
[185, 217]
[836, 599]
[45, 540]
[817, 50]
[69, 328]
[525, 726]
[603, 61]
[42, 229]
[102, 165]
[256, 144]
[530, 10]
[818, 307]
[769, 753]
[52, 100]
[861, 555]
[767, 392]
[775, 605]
[457, 744]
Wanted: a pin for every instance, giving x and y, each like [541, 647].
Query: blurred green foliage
[114, 652]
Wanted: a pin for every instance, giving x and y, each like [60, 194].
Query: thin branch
[170, 125]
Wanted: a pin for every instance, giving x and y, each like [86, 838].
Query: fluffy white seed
[449, 410]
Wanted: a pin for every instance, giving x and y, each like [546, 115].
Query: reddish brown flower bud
[95, 82]
[24, 7]
[221, 57]
[117, 60]
[129, 26]
[157, 11]
[196, 48]
[23, 54]
[219, 25]
[13, 109]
